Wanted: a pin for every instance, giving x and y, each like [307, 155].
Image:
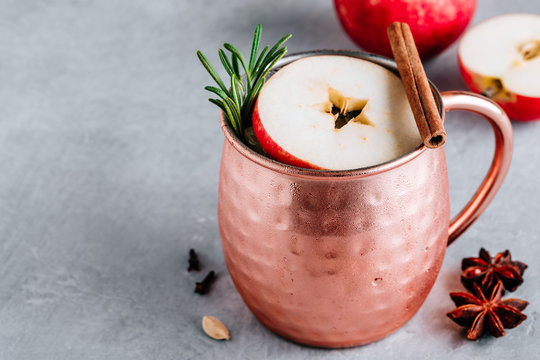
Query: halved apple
[334, 112]
[500, 58]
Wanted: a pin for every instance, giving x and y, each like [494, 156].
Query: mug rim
[296, 171]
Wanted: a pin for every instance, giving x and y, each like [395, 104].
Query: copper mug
[344, 258]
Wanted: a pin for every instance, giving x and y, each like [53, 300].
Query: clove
[204, 286]
[194, 263]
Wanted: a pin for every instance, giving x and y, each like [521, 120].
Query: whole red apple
[435, 24]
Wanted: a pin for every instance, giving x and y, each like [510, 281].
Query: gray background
[109, 160]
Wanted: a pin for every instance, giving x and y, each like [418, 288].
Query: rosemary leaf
[225, 61]
[268, 62]
[218, 103]
[238, 54]
[236, 68]
[234, 91]
[230, 115]
[235, 114]
[222, 94]
[211, 70]
[240, 85]
[275, 59]
[258, 86]
[260, 59]
[250, 101]
[255, 46]
[270, 59]
[278, 44]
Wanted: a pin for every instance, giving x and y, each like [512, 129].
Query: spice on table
[194, 263]
[204, 286]
[214, 328]
[486, 273]
[480, 314]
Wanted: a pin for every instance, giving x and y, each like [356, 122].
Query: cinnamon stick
[416, 85]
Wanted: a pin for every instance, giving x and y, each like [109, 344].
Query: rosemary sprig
[238, 100]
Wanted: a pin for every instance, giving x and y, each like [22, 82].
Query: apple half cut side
[500, 58]
[336, 113]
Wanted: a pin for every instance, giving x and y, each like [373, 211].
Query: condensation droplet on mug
[294, 188]
[294, 246]
[376, 281]
[330, 255]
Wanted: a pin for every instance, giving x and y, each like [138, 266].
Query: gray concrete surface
[109, 158]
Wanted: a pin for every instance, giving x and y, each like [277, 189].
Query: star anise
[485, 273]
[479, 313]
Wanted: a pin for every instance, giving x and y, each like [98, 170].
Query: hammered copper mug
[344, 258]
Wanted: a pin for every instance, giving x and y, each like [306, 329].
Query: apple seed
[530, 49]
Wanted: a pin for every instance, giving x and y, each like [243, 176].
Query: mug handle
[502, 128]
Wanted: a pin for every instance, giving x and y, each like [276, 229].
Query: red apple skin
[522, 108]
[273, 149]
[434, 24]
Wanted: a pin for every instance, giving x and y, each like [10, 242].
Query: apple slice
[500, 58]
[334, 112]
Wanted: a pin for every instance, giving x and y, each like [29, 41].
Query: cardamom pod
[215, 328]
